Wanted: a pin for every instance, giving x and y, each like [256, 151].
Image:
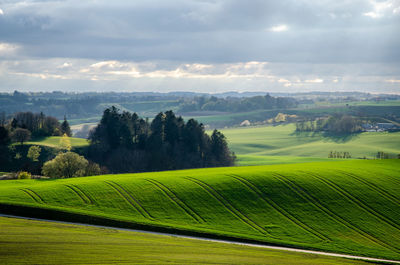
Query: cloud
[317, 80]
[279, 28]
[92, 75]
[8, 49]
[383, 8]
[252, 44]
[1, 12]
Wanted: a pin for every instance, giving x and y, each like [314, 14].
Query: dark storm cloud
[203, 31]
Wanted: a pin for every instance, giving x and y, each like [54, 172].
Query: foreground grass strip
[24, 242]
[229, 206]
[302, 193]
[172, 196]
[274, 205]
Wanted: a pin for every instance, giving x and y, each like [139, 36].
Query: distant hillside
[282, 144]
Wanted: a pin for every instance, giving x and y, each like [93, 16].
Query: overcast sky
[203, 45]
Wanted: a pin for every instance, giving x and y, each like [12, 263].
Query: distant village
[380, 127]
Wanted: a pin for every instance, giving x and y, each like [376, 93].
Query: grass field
[54, 243]
[313, 205]
[281, 144]
[54, 141]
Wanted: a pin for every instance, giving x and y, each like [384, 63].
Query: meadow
[57, 243]
[312, 206]
[282, 144]
[55, 142]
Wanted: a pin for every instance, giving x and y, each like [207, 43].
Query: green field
[281, 144]
[54, 141]
[55, 243]
[313, 205]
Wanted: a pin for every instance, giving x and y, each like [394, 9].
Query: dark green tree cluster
[335, 154]
[38, 124]
[124, 142]
[382, 155]
[237, 104]
[337, 124]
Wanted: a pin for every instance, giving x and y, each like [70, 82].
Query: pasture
[282, 144]
[54, 141]
[313, 205]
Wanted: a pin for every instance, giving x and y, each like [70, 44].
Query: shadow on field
[327, 136]
[340, 138]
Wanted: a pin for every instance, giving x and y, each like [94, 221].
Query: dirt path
[221, 241]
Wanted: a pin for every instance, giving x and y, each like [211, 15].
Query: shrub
[34, 153]
[24, 175]
[69, 165]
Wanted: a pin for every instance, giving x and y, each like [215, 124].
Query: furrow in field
[211, 191]
[32, 195]
[247, 183]
[356, 201]
[129, 199]
[374, 187]
[81, 196]
[88, 198]
[316, 203]
[172, 196]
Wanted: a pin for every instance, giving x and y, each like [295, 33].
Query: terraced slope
[350, 207]
[281, 144]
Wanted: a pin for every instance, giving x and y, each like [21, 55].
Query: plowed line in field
[374, 187]
[84, 194]
[79, 193]
[308, 197]
[35, 195]
[129, 199]
[356, 201]
[172, 196]
[229, 206]
[277, 208]
[32, 195]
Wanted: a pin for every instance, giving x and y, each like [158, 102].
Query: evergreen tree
[65, 129]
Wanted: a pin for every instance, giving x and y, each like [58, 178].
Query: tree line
[339, 124]
[237, 104]
[26, 125]
[124, 142]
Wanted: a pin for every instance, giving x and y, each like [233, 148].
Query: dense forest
[124, 142]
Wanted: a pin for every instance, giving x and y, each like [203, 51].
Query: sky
[200, 45]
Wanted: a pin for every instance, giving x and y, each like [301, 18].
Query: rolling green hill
[281, 144]
[54, 141]
[93, 245]
[313, 205]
